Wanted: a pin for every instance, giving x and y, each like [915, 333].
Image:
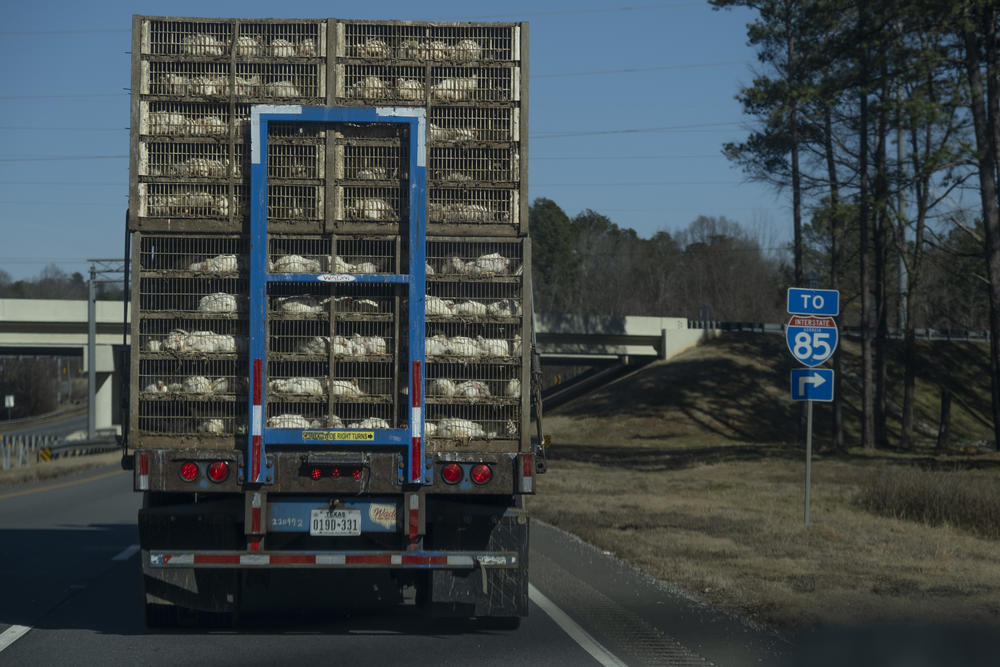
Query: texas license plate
[336, 523]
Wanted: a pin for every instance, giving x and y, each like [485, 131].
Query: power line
[630, 70]
[62, 157]
[26, 128]
[60, 97]
[622, 157]
[630, 185]
[596, 10]
[637, 130]
[81, 31]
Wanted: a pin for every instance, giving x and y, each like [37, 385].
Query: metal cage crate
[461, 165]
[184, 160]
[369, 40]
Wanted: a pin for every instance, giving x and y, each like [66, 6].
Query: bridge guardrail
[22, 450]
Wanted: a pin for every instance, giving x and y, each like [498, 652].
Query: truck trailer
[330, 372]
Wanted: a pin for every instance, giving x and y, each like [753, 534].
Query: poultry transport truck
[329, 371]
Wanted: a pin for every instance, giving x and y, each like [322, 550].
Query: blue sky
[65, 113]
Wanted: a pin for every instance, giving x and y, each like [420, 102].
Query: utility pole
[103, 269]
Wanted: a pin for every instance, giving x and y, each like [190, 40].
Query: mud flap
[488, 590]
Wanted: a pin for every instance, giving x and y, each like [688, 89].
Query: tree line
[54, 283]
[881, 118]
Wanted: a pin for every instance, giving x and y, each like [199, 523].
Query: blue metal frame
[260, 469]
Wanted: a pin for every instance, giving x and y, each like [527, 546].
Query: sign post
[811, 336]
[8, 402]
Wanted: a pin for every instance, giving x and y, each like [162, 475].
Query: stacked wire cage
[334, 349]
[192, 91]
[190, 369]
[469, 78]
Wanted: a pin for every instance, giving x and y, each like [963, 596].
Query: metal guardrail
[22, 450]
[958, 335]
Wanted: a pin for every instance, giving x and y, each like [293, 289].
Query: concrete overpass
[59, 327]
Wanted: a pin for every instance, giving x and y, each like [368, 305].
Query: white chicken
[409, 89]
[196, 384]
[221, 386]
[314, 346]
[217, 264]
[288, 421]
[299, 304]
[212, 426]
[372, 208]
[370, 423]
[472, 389]
[493, 347]
[247, 86]
[209, 126]
[513, 389]
[158, 387]
[282, 48]
[198, 167]
[454, 89]
[369, 88]
[441, 387]
[365, 267]
[220, 302]
[430, 429]
[341, 266]
[174, 84]
[372, 48]
[466, 50]
[470, 309]
[459, 428]
[515, 348]
[283, 88]
[435, 346]
[153, 345]
[463, 346]
[429, 269]
[248, 46]
[167, 122]
[306, 48]
[175, 341]
[439, 307]
[492, 264]
[200, 44]
[345, 388]
[301, 386]
[504, 308]
[296, 264]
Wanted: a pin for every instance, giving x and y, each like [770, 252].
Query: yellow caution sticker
[45, 454]
[332, 436]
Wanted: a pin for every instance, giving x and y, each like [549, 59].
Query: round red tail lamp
[481, 473]
[189, 471]
[452, 473]
[218, 471]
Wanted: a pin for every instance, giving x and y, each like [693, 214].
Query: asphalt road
[58, 427]
[71, 596]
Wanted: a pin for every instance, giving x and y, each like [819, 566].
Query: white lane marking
[127, 552]
[571, 628]
[12, 634]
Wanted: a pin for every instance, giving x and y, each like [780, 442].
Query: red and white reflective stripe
[414, 516]
[417, 425]
[256, 420]
[254, 542]
[255, 513]
[527, 473]
[320, 559]
[143, 471]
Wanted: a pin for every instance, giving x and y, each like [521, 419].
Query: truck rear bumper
[332, 559]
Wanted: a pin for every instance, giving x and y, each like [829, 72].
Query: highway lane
[59, 427]
[58, 547]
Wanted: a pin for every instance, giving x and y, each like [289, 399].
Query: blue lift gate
[261, 437]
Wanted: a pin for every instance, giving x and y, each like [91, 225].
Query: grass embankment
[688, 469]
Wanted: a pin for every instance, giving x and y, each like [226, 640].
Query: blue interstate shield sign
[811, 340]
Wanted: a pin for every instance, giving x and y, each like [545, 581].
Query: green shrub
[960, 498]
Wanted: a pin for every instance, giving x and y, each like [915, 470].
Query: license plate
[336, 523]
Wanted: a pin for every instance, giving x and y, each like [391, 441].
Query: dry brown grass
[38, 472]
[659, 470]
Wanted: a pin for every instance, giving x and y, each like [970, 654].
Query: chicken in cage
[437, 133]
[292, 421]
[455, 88]
[167, 122]
[491, 264]
[370, 88]
[282, 88]
[247, 86]
[198, 167]
[248, 46]
[371, 208]
[219, 302]
[306, 48]
[209, 126]
[302, 386]
[453, 427]
[371, 423]
[466, 50]
[282, 48]
[219, 264]
[213, 426]
[348, 388]
[296, 264]
[201, 44]
[372, 48]
[409, 89]
[460, 212]
[180, 341]
[513, 389]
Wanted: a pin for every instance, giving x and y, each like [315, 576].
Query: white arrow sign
[814, 380]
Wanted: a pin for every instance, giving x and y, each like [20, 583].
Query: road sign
[811, 340]
[8, 401]
[813, 301]
[45, 454]
[812, 384]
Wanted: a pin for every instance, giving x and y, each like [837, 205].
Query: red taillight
[316, 473]
[335, 473]
[481, 473]
[218, 471]
[189, 471]
[356, 474]
[451, 473]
